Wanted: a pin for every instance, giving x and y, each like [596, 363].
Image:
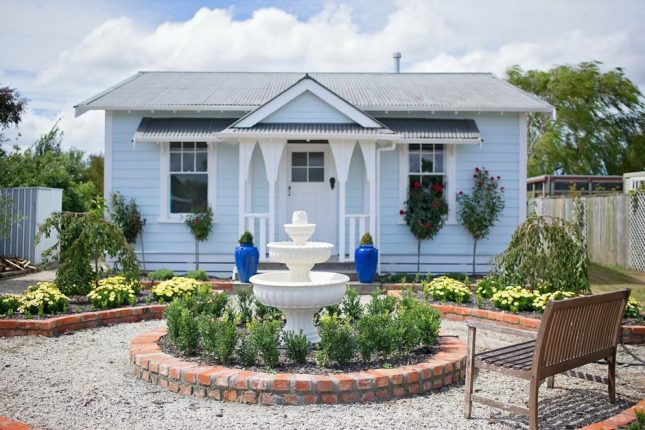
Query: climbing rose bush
[425, 209]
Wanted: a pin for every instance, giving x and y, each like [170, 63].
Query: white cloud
[433, 36]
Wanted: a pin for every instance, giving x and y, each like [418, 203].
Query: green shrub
[540, 301]
[457, 276]
[9, 303]
[514, 299]
[351, 305]
[336, 341]
[632, 309]
[445, 289]
[266, 337]
[366, 239]
[381, 303]
[407, 332]
[428, 319]
[376, 334]
[188, 336]
[546, 250]
[267, 313]
[161, 275]
[245, 301]
[204, 301]
[172, 313]
[246, 238]
[488, 286]
[247, 351]
[296, 346]
[199, 275]
[111, 294]
[43, 298]
[218, 337]
[167, 291]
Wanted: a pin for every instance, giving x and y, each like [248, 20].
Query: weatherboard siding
[451, 249]
[307, 108]
[136, 174]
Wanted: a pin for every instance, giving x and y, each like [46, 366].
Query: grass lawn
[604, 279]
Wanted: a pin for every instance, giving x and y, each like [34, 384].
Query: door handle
[289, 190]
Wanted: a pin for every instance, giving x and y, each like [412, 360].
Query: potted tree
[247, 257]
[365, 259]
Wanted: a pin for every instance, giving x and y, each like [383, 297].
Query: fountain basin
[308, 253]
[299, 301]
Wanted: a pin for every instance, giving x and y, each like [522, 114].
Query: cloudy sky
[59, 53]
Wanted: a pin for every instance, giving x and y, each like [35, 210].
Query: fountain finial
[299, 218]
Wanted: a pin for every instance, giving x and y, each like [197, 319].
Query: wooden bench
[572, 333]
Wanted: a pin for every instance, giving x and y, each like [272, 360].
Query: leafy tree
[600, 120]
[46, 164]
[424, 212]
[12, 107]
[84, 239]
[95, 172]
[200, 223]
[479, 211]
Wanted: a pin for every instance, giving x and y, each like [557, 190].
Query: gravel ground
[47, 382]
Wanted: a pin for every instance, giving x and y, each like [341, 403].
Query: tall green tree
[12, 107]
[46, 164]
[600, 120]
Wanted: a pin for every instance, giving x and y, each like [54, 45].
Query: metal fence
[32, 206]
[615, 226]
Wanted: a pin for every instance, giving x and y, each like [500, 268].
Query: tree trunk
[418, 256]
[196, 254]
[143, 253]
[474, 254]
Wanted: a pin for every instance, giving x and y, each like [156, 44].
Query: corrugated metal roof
[186, 129]
[462, 129]
[309, 129]
[368, 91]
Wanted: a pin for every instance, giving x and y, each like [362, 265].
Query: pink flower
[437, 188]
[428, 226]
[461, 193]
[434, 205]
[416, 185]
[498, 178]
[401, 212]
[502, 189]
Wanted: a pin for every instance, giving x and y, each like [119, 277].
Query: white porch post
[246, 151]
[272, 154]
[369, 155]
[342, 151]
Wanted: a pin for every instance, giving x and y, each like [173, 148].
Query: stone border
[68, 323]
[237, 385]
[9, 424]
[624, 418]
[634, 334]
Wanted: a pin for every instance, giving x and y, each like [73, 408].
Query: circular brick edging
[236, 385]
[68, 323]
[629, 334]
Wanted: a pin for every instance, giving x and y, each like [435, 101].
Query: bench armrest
[502, 329]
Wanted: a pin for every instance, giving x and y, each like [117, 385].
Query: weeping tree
[547, 253]
[200, 223]
[424, 212]
[479, 210]
[85, 240]
[126, 215]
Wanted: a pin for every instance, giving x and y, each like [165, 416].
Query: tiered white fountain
[299, 293]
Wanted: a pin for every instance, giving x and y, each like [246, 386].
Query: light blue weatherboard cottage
[342, 146]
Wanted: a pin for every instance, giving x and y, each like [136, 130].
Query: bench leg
[470, 372]
[550, 381]
[533, 404]
[611, 378]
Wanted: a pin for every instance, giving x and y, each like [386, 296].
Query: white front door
[309, 178]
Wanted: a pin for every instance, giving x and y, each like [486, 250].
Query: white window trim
[450, 169]
[164, 181]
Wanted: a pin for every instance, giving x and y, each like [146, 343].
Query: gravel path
[47, 382]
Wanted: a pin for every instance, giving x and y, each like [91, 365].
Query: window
[426, 164]
[307, 167]
[188, 176]
[429, 164]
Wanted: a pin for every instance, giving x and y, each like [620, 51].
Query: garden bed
[236, 385]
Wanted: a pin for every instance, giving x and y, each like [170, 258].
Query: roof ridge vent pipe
[397, 62]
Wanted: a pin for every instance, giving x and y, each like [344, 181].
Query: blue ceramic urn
[247, 259]
[366, 259]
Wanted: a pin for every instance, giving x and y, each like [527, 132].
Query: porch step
[329, 266]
